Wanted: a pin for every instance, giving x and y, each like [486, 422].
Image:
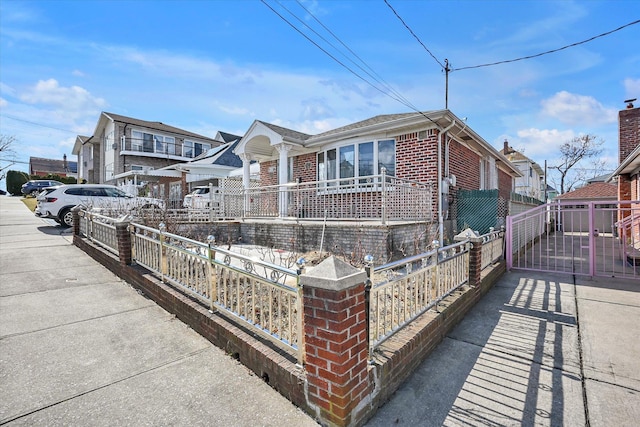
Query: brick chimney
[629, 131]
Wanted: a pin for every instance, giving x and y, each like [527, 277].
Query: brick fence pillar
[124, 242]
[475, 261]
[336, 342]
[75, 211]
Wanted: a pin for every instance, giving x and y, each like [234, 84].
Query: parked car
[201, 197]
[56, 202]
[35, 186]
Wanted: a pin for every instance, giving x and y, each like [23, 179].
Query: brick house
[121, 144]
[435, 147]
[628, 176]
[628, 171]
[42, 167]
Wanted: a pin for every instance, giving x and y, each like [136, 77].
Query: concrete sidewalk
[80, 347]
[537, 350]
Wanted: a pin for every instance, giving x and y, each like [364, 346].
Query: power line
[414, 35]
[397, 97]
[37, 124]
[375, 76]
[549, 51]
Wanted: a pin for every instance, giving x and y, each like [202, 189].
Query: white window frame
[488, 173]
[322, 170]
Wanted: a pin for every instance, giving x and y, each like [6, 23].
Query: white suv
[201, 197]
[56, 202]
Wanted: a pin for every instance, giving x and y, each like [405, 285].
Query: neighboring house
[408, 146]
[84, 153]
[605, 215]
[599, 178]
[43, 167]
[121, 144]
[180, 178]
[532, 181]
[628, 177]
[628, 171]
[552, 193]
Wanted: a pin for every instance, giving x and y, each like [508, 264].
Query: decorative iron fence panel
[265, 296]
[404, 289]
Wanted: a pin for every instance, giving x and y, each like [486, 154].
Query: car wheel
[34, 193]
[66, 217]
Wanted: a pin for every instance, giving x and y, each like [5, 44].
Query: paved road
[80, 347]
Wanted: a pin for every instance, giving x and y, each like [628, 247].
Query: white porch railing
[376, 197]
[492, 247]
[265, 296]
[404, 289]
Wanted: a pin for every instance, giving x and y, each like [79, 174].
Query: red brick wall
[629, 131]
[304, 167]
[417, 159]
[505, 184]
[266, 177]
[465, 165]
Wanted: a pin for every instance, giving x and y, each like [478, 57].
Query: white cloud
[77, 73]
[573, 109]
[632, 88]
[49, 92]
[540, 144]
[3, 103]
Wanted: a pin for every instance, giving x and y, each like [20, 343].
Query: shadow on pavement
[55, 230]
[512, 360]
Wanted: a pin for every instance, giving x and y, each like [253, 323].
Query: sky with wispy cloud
[219, 65]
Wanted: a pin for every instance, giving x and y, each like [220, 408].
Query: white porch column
[283, 149]
[246, 180]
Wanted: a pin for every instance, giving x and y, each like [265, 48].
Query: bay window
[357, 160]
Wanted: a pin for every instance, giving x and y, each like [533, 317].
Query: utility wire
[414, 35]
[396, 98]
[549, 51]
[37, 124]
[372, 72]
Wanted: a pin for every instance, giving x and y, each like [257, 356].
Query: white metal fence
[404, 289]
[263, 295]
[377, 197]
[492, 247]
[99, 229]
[267, 297]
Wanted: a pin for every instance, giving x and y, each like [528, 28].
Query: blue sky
[219, 65]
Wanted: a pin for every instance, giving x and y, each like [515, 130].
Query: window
[365, 159]
[193, 149]
[357, 160]
[347, 162]
[152, 143]
[187, 148]
[488, 174]
[387, 156]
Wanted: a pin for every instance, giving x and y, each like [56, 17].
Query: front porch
[378, 198]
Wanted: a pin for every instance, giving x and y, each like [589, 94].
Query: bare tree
[6, 149]
[572, 152]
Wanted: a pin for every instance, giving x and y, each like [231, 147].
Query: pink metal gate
[584, 238]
